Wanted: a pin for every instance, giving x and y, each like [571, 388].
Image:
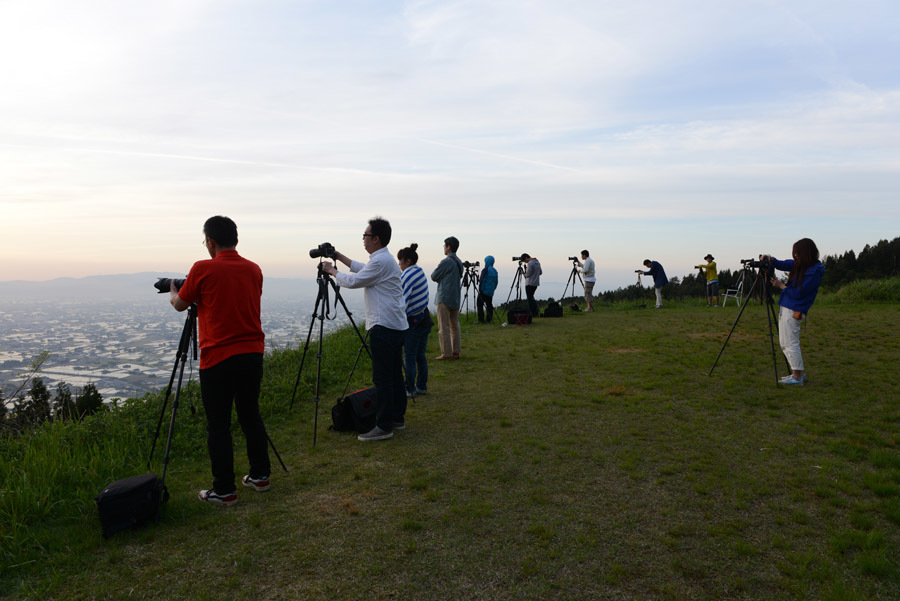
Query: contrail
[501, 156]
[211, 159]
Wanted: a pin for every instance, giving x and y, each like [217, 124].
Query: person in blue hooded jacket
[486, 288]
[805, 273]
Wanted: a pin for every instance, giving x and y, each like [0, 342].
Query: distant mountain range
[133, 286]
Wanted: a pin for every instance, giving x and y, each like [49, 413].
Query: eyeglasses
[369, 235]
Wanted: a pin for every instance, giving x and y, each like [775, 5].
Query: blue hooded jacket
[489, 277]
[800, 298]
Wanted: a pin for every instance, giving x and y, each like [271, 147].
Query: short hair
[648, 262]
[381, 228]
[221, 230]
[453, 243]
[524, 256]
[586, 253]
[409, 254]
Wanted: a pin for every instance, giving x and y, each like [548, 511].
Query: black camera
[466, 264]
[573, 258]
[760, 263]
[323, 250]
[517, 258]
[641, 271]
[165, 284]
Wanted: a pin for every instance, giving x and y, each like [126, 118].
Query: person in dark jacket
[805, 273]
[486, 288]
[658, 274]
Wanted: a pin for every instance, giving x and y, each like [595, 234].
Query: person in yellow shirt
[712, 280]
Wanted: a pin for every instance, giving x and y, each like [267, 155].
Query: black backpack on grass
[355, 412]
[553, 310]
[130, 503]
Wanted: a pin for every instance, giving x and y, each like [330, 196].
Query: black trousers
[387, 375]
[532, 304]
[483, 301]
[235, 380]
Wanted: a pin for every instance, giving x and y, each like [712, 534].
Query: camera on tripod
[165, 284]
[764, 264]
[326, 249]
[520, 259]
[761, 263]
[467, 264]
[573, 259]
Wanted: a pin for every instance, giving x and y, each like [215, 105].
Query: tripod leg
[769, 309]
[318, 379]
[736, 320]
[340, 299]
[175, 402]
[183, 346]
[355, 363]
[274, 450]
[318, 313]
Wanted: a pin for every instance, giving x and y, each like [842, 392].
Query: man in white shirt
[587, 270]
[385, 322]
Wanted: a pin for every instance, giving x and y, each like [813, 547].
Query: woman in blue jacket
[797, 296]
[486, 288]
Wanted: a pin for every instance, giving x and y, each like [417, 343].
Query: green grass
[886, 290]
[589, 457]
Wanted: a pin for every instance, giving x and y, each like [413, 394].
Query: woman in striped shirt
[415, 295]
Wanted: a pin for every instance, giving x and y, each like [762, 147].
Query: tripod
[765, 296]
[517, 285]
[573, 276]
[470, 281]
[187, 343]
[321, 312]
[638, 292]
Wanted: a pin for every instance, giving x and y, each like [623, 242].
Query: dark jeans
[532, 305]
[482, 301]
[415, 361]
[236, 379]
[387, 375]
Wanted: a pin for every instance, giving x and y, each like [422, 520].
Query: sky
[661, 129]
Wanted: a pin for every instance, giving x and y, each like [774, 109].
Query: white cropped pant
[789, 337]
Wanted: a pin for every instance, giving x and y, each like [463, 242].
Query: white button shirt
[383, 292]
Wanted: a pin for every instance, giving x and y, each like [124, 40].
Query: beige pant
[789, 337]
[588, 292]
[448, 330]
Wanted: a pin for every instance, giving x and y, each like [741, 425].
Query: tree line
[36, 406]
[873, 262]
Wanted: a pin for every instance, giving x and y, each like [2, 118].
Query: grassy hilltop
[588, 457]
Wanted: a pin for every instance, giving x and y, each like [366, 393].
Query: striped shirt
[415, 289]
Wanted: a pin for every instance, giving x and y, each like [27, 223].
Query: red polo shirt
[227, 291]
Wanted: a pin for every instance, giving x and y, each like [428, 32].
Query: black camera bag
[355, 412]
[130, 502]
[518, 316]
[553, 310]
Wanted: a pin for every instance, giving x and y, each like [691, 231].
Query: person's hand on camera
[329, 268]
[174, 299]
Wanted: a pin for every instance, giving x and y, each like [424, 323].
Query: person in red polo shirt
[227, 289]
